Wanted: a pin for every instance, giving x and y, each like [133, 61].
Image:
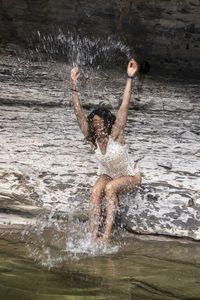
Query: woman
[105, 133]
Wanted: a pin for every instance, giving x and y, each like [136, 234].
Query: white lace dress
[116, 162]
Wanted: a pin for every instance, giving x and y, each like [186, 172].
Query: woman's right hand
[74, 76]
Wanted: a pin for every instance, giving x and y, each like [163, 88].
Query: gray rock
[166, 165]
[166, 33]
[47, 170]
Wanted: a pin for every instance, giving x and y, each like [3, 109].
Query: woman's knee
[97, 190]
[110, 188]
[138, 179]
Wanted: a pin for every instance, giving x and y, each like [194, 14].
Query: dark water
[47, 266]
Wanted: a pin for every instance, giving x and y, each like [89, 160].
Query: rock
[15, 220]
[195, 128]
[161, 32]
[46, 170]
[188, 135]
[167, 165]
[150, 213]
[197, 202]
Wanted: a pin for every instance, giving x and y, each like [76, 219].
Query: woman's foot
[103, 240]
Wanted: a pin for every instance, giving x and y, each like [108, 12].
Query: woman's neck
[103, 139]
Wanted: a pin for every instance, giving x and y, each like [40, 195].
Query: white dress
[116, 162]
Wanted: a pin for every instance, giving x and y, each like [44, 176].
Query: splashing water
[80, 50]
[52, 242]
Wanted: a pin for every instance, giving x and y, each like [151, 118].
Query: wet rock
[165, 34]
[160, 217]
[46, 169]
[166, 165]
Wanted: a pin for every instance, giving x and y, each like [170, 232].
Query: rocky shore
[46, 169]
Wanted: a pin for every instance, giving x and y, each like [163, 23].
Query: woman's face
[99, 126]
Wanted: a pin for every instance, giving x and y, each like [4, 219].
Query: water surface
[56, 265]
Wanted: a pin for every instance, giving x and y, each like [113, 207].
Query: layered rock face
[165, 33]
[45, 168]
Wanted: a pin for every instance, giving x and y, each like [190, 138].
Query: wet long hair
[109, 120]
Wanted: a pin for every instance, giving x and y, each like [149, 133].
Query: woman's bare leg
[121, 185]
[98, 192]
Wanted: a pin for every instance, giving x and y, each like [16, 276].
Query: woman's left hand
[132, 67]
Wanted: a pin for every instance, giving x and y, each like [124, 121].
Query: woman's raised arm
[120, 122]
[81, 118]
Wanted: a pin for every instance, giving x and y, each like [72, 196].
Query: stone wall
[164, 32]
[46, 170]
